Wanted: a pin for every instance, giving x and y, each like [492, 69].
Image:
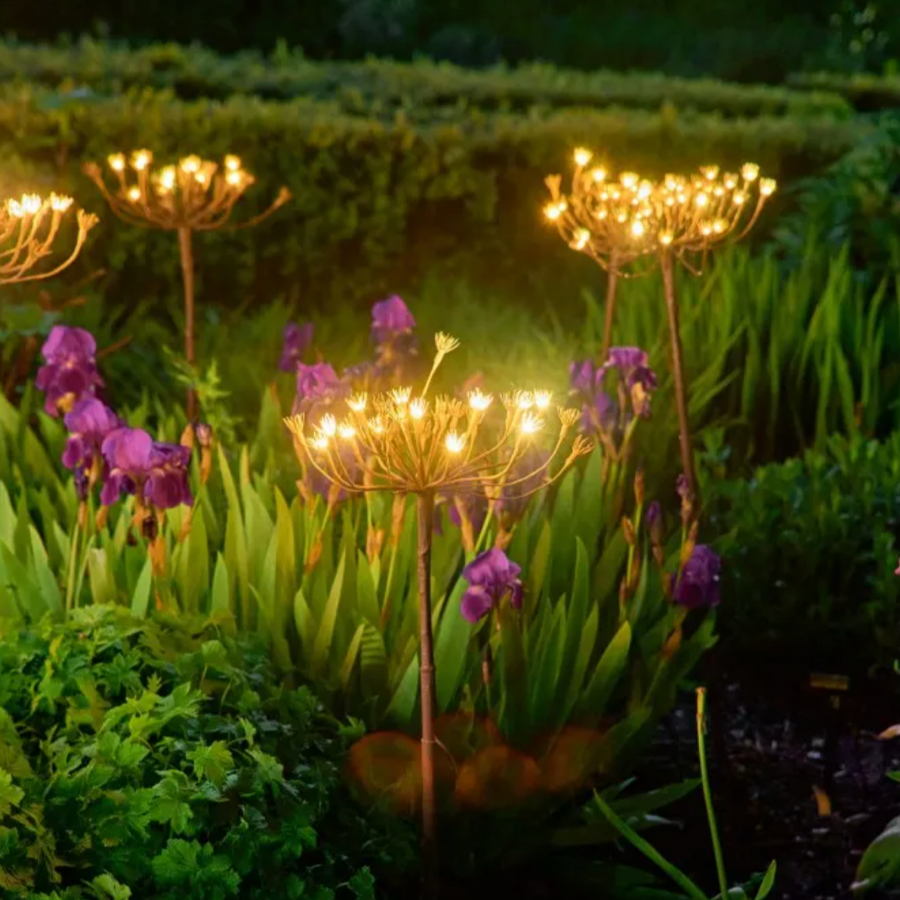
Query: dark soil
[777, 744]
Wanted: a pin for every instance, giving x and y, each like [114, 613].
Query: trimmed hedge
[377, 201]
[867, 93]
[378, 85]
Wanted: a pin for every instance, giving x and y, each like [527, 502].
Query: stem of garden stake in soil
[667, 264]
[612, 281]
[187, 275]
[425, 517]
[707, 793]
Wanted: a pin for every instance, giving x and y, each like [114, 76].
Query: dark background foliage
[749, 40]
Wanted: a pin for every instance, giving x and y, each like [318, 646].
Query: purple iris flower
[389, 318]
[89, 422]
[491, 577]
[682, 486]
[639, 379]
[698, 585]
[317, 387]
[582, 377]
[297, 340]
[600, 414]
[654, 514]
[70, 370]
[156, 473]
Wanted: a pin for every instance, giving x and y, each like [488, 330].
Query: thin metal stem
[187, 275]
[425, 515]
[684, 427]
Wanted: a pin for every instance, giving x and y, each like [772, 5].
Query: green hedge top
[867, 93]
[376, 201]
[193, 71]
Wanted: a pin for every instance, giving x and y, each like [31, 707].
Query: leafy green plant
[810, 550]
[161, 759]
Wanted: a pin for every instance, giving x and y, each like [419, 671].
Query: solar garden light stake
[636, 221]
[407, 444]
[195, 195]
[29, 228]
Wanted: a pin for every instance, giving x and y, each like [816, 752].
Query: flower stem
[187, 276]
[667, 264]
[707, 793]
[425, 522]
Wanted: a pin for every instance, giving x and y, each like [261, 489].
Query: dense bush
[166, 760]
[378, 87]
[377, 201]
[810, 548]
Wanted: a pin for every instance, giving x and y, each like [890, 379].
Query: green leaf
[10, 794]
[220, 597]
[451, 648]
[322, 646]
[140, 600]
[106, 887]
[880, 864]
[177, 863]
[352, 653]
[768, 882]
[213, 762]
[607, 674]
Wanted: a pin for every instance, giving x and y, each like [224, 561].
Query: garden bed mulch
[805, 782]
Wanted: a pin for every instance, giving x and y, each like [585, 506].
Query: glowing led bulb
[638, 228]
[553, 211]
[134, 194]
[454, 442]
[706, 230]
[417, 408]
[320, 442]
[31, 203]
[542, 399]
[629, 179]
[581, 238]
[140, 159]
[116, 161]
[530, 424]
[767, 186]
[598, 174]
[376, 426]
[479, 401]
[191, 164]
[328, 425]
[602, 213]
[719, 226]
[709, 172]
[59, 203]
[15, 208]
[666, 238]
[739, 198]
[200, 177]
[701, 200]
[234, 178]
[750, 171]
[358, 402]
[400, 396]
[524, 400]
[347, 432]
[232, 163]
[730, 182]
[167, 178]
[582, 156]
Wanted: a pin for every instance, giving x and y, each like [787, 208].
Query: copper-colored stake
[684, 425]
[425, 515]
[187, 275]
